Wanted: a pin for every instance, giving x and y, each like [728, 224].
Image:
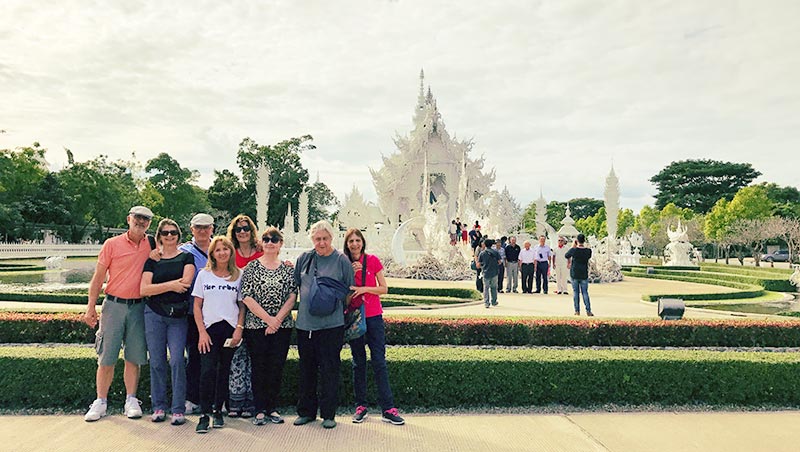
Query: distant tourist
[475, 254]
[122, 259]
[543, 256]
[165, 282]
[269, 291]
[368, 268]
[202, 227]
[453, 233]
[502, 268]
[526, 259]
[579, 257]
[512, 264]
[219, 315]
[475, 235]
[560, 266]
[320, 336]
[489, 263]
[242, 233]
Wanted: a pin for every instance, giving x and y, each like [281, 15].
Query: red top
[372, 302]
[241, 262]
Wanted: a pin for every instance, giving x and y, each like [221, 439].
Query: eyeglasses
[140, 217]
[238, 229]
[273, 239]
[203, 227]
[167, 232]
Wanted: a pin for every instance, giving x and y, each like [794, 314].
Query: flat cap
[202, 219]
[141, 210]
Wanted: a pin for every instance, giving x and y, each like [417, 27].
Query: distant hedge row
[445, 295]
[745, 290]
[446, 377]
[68, 328]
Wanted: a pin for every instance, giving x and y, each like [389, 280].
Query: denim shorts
[121, 324]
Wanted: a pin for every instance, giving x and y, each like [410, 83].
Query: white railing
[39, 250]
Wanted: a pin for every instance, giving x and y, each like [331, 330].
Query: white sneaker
[96, 410]
[191, 408]
[133, 408]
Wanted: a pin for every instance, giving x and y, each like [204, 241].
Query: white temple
[432, 170]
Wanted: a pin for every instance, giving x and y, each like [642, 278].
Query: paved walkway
[616, 432]
[618, 300]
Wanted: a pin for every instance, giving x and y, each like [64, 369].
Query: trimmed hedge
[418, 330]
[48, 297]
[446, 377]
[432, 296]
[5, 267]
[741, 270]
[452, 292]
[748, 290]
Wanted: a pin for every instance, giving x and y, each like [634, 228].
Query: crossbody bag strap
[364, 272]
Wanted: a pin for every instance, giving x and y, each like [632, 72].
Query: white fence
[38, 250]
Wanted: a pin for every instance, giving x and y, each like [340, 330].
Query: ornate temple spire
[420, 108]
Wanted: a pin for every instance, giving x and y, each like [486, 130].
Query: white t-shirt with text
[219, 297]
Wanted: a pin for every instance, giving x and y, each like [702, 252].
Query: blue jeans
[164, 333]
[375, 338]
[581, 286]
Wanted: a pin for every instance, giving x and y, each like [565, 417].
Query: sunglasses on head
[238, 229]
[167, 232]
[273, 239]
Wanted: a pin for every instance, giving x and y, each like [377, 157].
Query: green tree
[180, 197]
[228, 194]
[786, 200]
[101, 192]
[717, 228]
[594, 225]
[751, 203]
[287, 175]
[321, 201]
[21, 173]
[698, 184]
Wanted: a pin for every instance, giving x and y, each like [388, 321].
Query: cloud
[552, 92]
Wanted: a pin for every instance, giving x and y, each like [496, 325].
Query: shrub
[68, 328]
[446, 377]
[453, 292]
[47, 297]
[747, 290]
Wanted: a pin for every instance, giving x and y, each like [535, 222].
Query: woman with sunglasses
[219, 315]
[242, 233]
[369, 294]
[165, 283]
[269, 291]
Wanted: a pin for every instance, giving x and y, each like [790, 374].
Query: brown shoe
[577, 312]
[590, 314]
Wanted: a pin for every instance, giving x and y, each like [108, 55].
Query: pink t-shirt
[372, 302]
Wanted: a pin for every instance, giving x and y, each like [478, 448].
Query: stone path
[580, 432]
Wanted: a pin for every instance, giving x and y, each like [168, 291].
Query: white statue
[679, 250]
[262, 196]
[795, 278]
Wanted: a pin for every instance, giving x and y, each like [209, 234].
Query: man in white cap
[202, 226]
[122, 258]
[560, 264]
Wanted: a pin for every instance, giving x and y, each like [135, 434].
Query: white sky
[551, 91]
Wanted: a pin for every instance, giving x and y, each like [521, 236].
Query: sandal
[246, 414]
[234, 413]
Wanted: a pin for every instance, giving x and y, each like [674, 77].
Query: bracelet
[239, 326]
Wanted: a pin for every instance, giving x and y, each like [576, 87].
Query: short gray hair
[322, 225]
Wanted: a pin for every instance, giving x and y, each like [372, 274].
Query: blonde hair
[221, 240]
[232, 235]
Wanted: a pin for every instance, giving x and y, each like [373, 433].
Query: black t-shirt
[168, 270]
[512, 252]
[580, 262]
